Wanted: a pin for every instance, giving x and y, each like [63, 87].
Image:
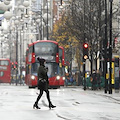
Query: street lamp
[26, 4]
[8, 15]
[4, 6]
[45, 19]
[42, 17]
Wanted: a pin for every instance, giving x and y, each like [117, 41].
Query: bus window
[27, 69]
[1, 74]
[4, 62]
[52, 69]
[45, 48]
[35, 67]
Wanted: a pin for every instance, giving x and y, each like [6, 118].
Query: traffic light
[85, 51]
[12, 65]
[116, 62]
[116, 40]
[16, 64]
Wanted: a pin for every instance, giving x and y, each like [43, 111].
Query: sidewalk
[114, 96]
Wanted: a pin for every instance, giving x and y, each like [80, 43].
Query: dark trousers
[40, 95]
[93, 85]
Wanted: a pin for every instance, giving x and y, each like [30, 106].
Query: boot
[51, 105]
[36, 106]
[48, 97]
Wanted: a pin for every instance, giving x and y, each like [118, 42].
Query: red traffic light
[85, 51]
[14, 66]
[85, 45]
[116, 40]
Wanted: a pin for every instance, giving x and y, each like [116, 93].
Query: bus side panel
[6, 78]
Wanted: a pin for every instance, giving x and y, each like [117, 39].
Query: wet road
[73, 103]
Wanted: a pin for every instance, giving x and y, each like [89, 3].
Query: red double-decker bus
[5, 70]
[48, 50]
[61, 65]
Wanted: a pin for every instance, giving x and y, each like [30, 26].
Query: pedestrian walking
[98, 79]
[42, 84]
[94, 80]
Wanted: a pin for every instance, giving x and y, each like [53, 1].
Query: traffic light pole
[105, 42]
[61, 2]
[84, 73]
[85, 56]
[110, 50]
[84, 52]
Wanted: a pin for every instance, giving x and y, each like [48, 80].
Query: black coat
[42, 74]
[94, 81]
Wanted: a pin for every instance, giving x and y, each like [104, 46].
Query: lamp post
[110, 49]
[46, 18]
[16, 23]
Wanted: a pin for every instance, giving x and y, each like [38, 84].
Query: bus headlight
[63, 78]
[33, 77]
[58, 77]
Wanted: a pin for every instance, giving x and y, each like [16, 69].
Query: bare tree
[82, 20]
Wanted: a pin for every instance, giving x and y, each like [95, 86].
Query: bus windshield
[52, 68]
[4, 62]
[60, 54]
[62, 71]
[45, 48]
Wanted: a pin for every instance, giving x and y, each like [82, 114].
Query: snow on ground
[16, 103]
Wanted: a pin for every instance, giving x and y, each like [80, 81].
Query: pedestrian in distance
[94, 80]
[43, 84]
[98, 79]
